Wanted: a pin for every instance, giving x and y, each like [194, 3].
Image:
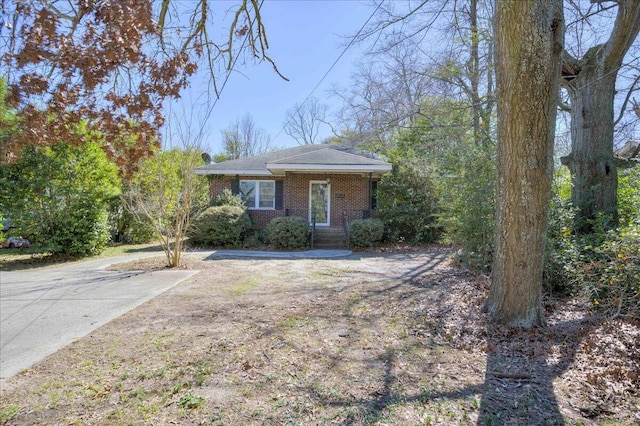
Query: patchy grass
[8, 412]
[384, 338]
[35, 257]
[244, 286]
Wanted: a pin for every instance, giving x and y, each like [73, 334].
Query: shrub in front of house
[227, 198]
[365, 232]
[220, 226]
[288, 232]
[254, 239]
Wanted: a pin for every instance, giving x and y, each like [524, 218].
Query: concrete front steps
[329, 238]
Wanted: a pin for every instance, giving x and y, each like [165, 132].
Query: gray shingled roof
[327, 158]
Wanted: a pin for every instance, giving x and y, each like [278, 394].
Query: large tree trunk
[591, 82]
[529, 43]
[594, 177]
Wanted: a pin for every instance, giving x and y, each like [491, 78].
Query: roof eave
[234, 172]
[332, 168]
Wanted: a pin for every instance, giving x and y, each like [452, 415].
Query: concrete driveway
[45, 309]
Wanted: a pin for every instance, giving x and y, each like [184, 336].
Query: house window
[258, 194]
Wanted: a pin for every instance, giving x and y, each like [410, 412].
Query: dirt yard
[394, 338]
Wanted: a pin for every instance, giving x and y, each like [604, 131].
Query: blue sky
[305, 38]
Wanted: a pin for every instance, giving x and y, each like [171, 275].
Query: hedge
[365, 232]
[288, 232]
[220, 226]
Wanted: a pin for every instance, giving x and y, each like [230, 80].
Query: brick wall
[348, 192]
[217, 185]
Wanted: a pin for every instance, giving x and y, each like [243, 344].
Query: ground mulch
[396, 337]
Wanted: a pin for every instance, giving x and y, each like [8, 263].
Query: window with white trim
[258, 194]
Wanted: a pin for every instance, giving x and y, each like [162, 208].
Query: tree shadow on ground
[520, 372]
[39, 257]
[147, 248]
[517, 388]
[521, 365]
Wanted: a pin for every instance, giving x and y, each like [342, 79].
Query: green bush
[365, 232]
[125, 228]
[220, 226]
[288, 232]
[561, 249]
[407, 206]
[64, 193]
[604, 266]
[140, 232]
[227, 198]
[629, 195]
[609, 272]
[466, 194]
[81, 231]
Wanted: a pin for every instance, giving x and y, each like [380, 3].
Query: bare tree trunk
[594, 176]
[478, 85]
[591, 83]
[529, 43]
[473, 66]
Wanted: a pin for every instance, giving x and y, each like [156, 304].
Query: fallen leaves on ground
[396, 337]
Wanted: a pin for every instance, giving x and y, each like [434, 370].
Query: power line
[233, 64]
[353, 39]
[231, 68]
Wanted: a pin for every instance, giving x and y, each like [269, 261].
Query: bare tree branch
[242, 139]
[114, 65]
[630, 91]
[303, 121]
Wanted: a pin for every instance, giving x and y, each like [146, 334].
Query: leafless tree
[166, 193]
[467, 65]
[430, 49]
[242, 139]
[387, 92]
[303, 121]
[628, 155]
[600, 71]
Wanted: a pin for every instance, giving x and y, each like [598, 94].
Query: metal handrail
[313, 227]
[345, 227]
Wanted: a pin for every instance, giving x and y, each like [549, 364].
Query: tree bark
[591, 83]
[594, 176]
[529, 43]
[473, 67]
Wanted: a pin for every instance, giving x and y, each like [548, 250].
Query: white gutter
[234, 172]
[329, 167]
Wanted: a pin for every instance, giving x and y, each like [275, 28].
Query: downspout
[285, 189]
[370, 194]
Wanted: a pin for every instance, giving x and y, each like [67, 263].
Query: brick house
[328, 183]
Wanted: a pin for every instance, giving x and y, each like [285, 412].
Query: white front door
[319, 202]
